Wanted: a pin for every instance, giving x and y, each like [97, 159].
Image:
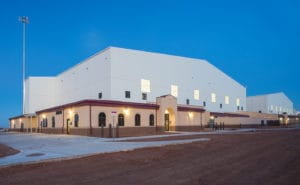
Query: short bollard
[117, 130]
[102, 130]
[109, 131]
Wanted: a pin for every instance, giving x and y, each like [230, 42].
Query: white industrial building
[275, 103]
[139, 76]
[125, 92]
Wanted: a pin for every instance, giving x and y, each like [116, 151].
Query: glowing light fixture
[71, 112]
[191, 115]
[126, 111]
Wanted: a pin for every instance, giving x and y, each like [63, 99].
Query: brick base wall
[103, 132]
[187, 128]
[50, 130]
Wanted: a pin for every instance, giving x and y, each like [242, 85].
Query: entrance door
[262, 123]
[68, 126]
[22, 127]
[167, 122]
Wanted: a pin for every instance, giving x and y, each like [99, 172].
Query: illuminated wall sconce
[43, 116]
[166, 111]
[212, 117]
[71, 112]
[191, 115]
[126, 111]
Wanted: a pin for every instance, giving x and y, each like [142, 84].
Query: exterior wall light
[191, 115]
[71, 112]
[126, 112]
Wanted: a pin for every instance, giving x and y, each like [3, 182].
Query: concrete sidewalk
[37, 147]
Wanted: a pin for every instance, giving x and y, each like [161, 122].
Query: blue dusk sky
[255, 42]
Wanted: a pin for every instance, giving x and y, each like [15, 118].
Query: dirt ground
[267, 158]
[6, 150]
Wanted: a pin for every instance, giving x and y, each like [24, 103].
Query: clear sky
[256, 42]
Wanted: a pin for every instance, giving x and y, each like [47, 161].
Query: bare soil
[6, 150]
[268, 158]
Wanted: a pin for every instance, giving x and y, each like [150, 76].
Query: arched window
[151, 120]
[53, 121]
[102, 119]
[45, 122]
[137, 120]
[121, 120]
[76, 120]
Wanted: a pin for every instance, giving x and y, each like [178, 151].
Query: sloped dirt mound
[6, 150]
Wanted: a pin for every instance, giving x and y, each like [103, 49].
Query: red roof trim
[17, 117]
[106, 103]
[20, 116]
[220, 114]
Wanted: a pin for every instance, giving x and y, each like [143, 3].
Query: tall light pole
[24, 20]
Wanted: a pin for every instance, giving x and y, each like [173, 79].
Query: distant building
[275, 103]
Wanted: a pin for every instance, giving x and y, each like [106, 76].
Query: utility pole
[24, 20]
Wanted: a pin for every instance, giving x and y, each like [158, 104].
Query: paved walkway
[180, 133]
[36, 147]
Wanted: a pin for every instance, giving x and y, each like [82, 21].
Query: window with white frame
[196, 94]
[174, 90]
[226, 99]
[213, 97]
[145, 86]
[237, 102]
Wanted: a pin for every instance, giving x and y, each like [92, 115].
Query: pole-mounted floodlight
[24, 20]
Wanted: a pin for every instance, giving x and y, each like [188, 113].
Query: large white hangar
[274, 103]
[137, 76]
[137, 93]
